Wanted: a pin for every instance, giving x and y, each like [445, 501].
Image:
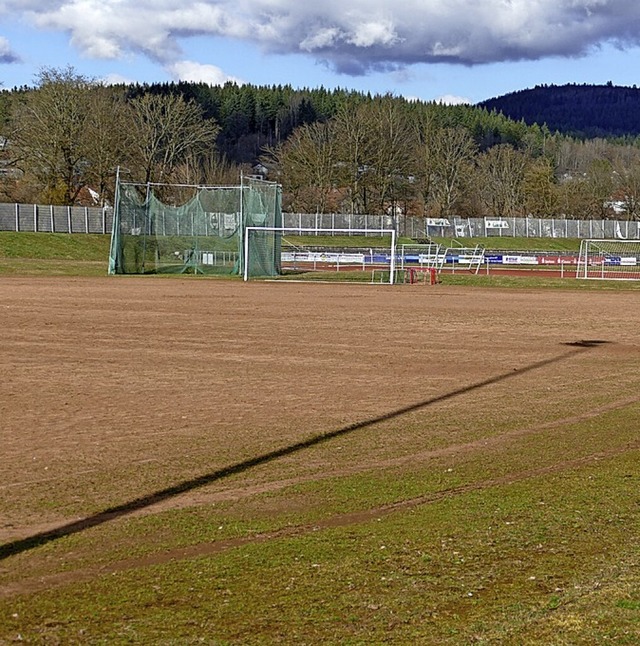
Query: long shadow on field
[112, 513]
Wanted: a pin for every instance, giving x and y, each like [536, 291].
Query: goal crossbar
[313, 231]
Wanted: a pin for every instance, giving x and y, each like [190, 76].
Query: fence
[457, 227]
[55, 219]
[88, 219]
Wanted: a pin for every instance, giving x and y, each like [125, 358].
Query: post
[243, 231]
[246, 255]
[392, 266]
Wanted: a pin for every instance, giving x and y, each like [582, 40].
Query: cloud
[351, 36]
[6, 53]
[199, 73]
[117, 79]
[451, 99]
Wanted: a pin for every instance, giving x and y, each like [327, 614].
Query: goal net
[609, 259]
[469, 259]
[426, 256]
[170, 228]
[322, 254]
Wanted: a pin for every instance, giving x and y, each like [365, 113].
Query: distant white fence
[457, 227]
[55, 219]
[93, 219]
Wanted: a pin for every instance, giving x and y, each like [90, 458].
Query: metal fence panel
[7, 217]
[45, 218]
[92, 219]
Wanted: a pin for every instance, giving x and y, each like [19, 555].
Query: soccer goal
[468, 259]
[609, 260]
[342, 255]
[420, 255]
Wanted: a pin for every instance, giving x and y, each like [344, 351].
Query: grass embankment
[64, 254]
[497, 243]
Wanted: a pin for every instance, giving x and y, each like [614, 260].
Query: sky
[451, 51]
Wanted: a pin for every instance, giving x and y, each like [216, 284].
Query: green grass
[53, 254]
[55, 246]
[496, 243]
[538, 561]
[536, 281]
[516, 244]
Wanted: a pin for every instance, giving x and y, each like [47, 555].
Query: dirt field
[128, 397]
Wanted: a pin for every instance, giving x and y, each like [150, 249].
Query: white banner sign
[437, 222]
[495, 224]
[519, 260]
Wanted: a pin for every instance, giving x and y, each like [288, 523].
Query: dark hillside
[578, 110]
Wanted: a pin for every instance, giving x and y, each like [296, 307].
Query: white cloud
[452, 99]
[370, 34]
[117, 79]
[353, 36]
[6, 53]
[199, 73]
[322, 39]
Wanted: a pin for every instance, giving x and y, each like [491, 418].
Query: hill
[584, 111]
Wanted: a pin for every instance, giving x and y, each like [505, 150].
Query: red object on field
[414, 273]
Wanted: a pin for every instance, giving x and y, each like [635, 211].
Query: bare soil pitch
[114, 389]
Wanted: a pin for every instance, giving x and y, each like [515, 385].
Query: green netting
[203, 235]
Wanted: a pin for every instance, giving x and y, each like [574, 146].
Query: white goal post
[346, 256]
[609, 260]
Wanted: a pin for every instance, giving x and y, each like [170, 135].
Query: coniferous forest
[585, 111]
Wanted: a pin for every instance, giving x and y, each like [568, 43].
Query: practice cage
[170, 228]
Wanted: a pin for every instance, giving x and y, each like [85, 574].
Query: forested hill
[578, 110]
[252, 117]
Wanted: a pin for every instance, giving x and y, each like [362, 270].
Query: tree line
[332, 150]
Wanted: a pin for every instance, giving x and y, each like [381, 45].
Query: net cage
[168, 228]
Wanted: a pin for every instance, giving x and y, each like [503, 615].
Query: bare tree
[500, 173]
[574, 199]
[48, 133]
[306, 164]
[206, 170]
[626, 170]
[106, 134]
[391, 159]
[540, 188]
[165, 130]
[454, 151]
[424, 151]
[354, 152]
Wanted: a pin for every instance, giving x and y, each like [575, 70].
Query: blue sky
[449, 50]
